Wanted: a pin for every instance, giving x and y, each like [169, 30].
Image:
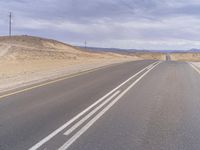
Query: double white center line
[107, 102]
[90, 114]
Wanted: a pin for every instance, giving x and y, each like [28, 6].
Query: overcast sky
[140, 24]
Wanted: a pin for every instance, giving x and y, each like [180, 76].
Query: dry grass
[185, 56]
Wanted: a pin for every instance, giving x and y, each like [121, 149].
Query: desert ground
[26, 59]
[194, 56]
[151, 56]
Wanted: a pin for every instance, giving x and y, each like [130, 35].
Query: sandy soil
[25, 60]
[151, 56]
[185, 56]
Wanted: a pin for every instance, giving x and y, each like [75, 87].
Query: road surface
[143, 105]
[168, 57]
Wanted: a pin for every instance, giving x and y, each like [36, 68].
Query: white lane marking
[51, 135]
[74, 127]
[149, 67]
[92, 121]
[195, 68]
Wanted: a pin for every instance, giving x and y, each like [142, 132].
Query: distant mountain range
[194, 50]
[98, 49]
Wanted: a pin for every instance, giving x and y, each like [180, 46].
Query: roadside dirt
[25, 60]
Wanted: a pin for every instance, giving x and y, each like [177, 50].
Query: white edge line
[91, 122]
[51, 135]
[74, 127]
[195, 68]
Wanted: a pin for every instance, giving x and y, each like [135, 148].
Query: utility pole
[85, 44]
[10, 24]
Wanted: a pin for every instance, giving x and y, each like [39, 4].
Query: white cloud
[148, 24]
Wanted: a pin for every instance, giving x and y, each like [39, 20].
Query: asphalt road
[143, 105]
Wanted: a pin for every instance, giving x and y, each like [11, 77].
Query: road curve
[29, 116]
[141, 105]
[160, 112]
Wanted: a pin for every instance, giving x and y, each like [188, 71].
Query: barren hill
[25, 58]
[37, 43]
[28, 47]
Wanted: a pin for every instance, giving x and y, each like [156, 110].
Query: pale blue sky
[140, 24]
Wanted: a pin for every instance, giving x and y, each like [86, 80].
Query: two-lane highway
[29, 116]
[139, 105]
